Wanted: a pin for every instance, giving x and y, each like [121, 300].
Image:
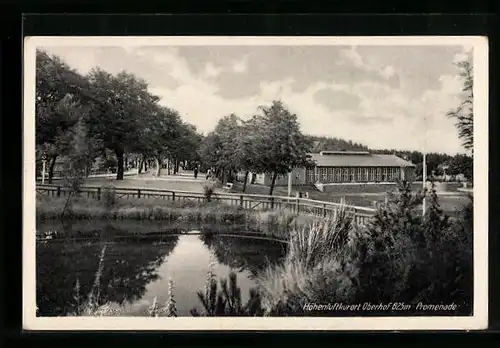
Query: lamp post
[424, 166]
[290, 184]
[424, 180]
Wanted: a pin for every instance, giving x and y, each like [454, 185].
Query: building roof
[357, 159]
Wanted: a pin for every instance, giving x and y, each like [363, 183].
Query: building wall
[298, 178]
[303, 176]
[354, 174]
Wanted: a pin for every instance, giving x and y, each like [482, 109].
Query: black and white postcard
[255, 183]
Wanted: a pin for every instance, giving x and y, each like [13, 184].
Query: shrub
[399, 257]
[404, 257]
[108, 196]
[227, 301]
[208, 191]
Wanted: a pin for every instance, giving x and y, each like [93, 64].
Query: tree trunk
[176, 166]
[139, 165]
[158, 166]
[275, 175]
[245, 181]
[51, 168]
[254, 177]
[119, 164]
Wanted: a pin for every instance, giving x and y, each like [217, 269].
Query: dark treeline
[334, 144]
[437, 163]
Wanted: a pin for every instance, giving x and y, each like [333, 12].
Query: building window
[324, 174]
[353, 174]
[346, 174]
[338, 174]
[390, 174]
[384, 174]
[365, 174]
[379, 174]
[310, 175]
[359, 177]
[330, 174]
[396, 173]
[372, 174]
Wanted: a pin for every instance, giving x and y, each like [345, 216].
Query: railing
[247, 201]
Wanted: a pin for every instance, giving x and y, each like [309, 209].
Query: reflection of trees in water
[102, 230]
[250, 254]
[128, 268]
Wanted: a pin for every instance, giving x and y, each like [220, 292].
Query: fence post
[98, 193]
[138, 193]
[58, 191]
[324, 210]
[272, 202]
[173, 196]
[297, 204]
[241, 201]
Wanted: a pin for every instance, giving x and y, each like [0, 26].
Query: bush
[208, 191]
[400, 256]
[227, 301]
[108, 196]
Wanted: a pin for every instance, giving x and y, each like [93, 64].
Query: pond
[137, 265]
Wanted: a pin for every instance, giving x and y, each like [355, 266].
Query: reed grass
[275, 223]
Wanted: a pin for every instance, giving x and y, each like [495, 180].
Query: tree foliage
[118, 114]
[279, 142]
[464, 113]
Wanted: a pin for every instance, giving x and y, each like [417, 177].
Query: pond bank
[138, 231]
[174, 216]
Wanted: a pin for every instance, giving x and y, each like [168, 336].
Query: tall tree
[280, 144]
[57, 106]
[464, 114]
[246, 155]
[220, 147]
[120, 103]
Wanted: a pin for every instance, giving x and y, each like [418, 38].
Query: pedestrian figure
[209, 173]
[195, 173]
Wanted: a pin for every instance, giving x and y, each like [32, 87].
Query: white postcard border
[478, 321]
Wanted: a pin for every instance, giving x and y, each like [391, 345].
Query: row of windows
[331, 174]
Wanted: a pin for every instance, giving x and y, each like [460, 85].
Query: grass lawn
[147, 183]
[449, 203]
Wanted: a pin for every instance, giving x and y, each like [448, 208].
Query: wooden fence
[247, 201]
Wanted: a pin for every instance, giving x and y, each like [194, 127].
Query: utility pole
[424, 167]
[424, 180]
[290, 184]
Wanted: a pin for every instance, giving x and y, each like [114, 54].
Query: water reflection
[137, 267]
[245, 254]
[128, 268]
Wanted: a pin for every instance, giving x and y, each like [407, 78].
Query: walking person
[195, 173]
[209, 174]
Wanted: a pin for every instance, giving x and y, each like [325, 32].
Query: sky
[381, 96]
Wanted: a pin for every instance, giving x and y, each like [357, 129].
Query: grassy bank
[167, 216]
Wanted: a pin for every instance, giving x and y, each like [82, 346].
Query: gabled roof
[357, 159]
